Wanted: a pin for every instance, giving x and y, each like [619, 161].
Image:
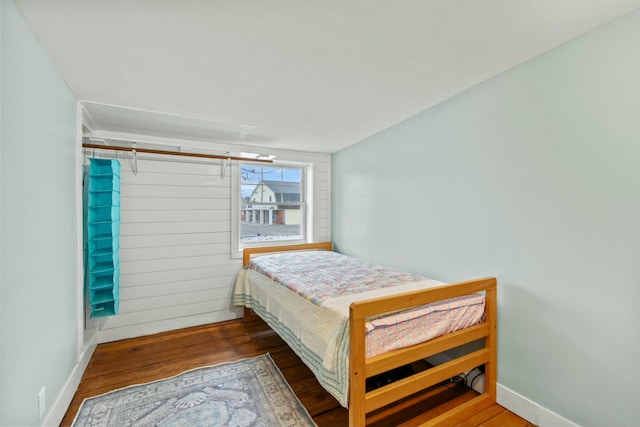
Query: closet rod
[172, 153]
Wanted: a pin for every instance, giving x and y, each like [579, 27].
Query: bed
[343, 334]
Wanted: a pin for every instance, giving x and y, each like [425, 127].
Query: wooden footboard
[362, 402]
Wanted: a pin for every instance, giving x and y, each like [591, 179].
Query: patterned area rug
[249, 392]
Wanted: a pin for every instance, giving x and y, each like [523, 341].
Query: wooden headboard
[327, 246]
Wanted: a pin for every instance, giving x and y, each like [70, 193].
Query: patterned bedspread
[319, 275]
[305, 298]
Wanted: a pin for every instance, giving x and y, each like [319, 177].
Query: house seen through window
[271, 203]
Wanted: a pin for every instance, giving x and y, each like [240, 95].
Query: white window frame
[237, 245]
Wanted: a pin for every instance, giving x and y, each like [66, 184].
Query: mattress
[305, 298]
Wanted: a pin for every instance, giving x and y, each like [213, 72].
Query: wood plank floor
[149, 358]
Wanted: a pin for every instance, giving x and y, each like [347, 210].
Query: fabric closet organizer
[102, 216]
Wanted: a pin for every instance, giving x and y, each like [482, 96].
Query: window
[271, 204]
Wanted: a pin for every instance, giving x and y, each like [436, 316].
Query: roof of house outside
[285, 187]
[285, 191]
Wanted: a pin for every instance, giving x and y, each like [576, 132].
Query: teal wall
[38, 325]
[532, 177]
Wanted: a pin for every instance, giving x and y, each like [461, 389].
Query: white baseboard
[529, 410]
[64, 398]
[107, 334]
[518, 404]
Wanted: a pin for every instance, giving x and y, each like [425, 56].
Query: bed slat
[396, 358]
[420, 297]
[461, 412]
[406, 387]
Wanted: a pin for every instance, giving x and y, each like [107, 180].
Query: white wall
[177, 269]
[532, 177]
[38, 182]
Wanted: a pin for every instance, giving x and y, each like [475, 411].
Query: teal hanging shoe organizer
[102, 216]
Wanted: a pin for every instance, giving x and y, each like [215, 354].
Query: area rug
[249, 392]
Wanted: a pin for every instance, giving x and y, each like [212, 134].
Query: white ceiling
[297, 74]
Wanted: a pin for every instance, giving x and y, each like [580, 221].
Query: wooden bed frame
[362, 402]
